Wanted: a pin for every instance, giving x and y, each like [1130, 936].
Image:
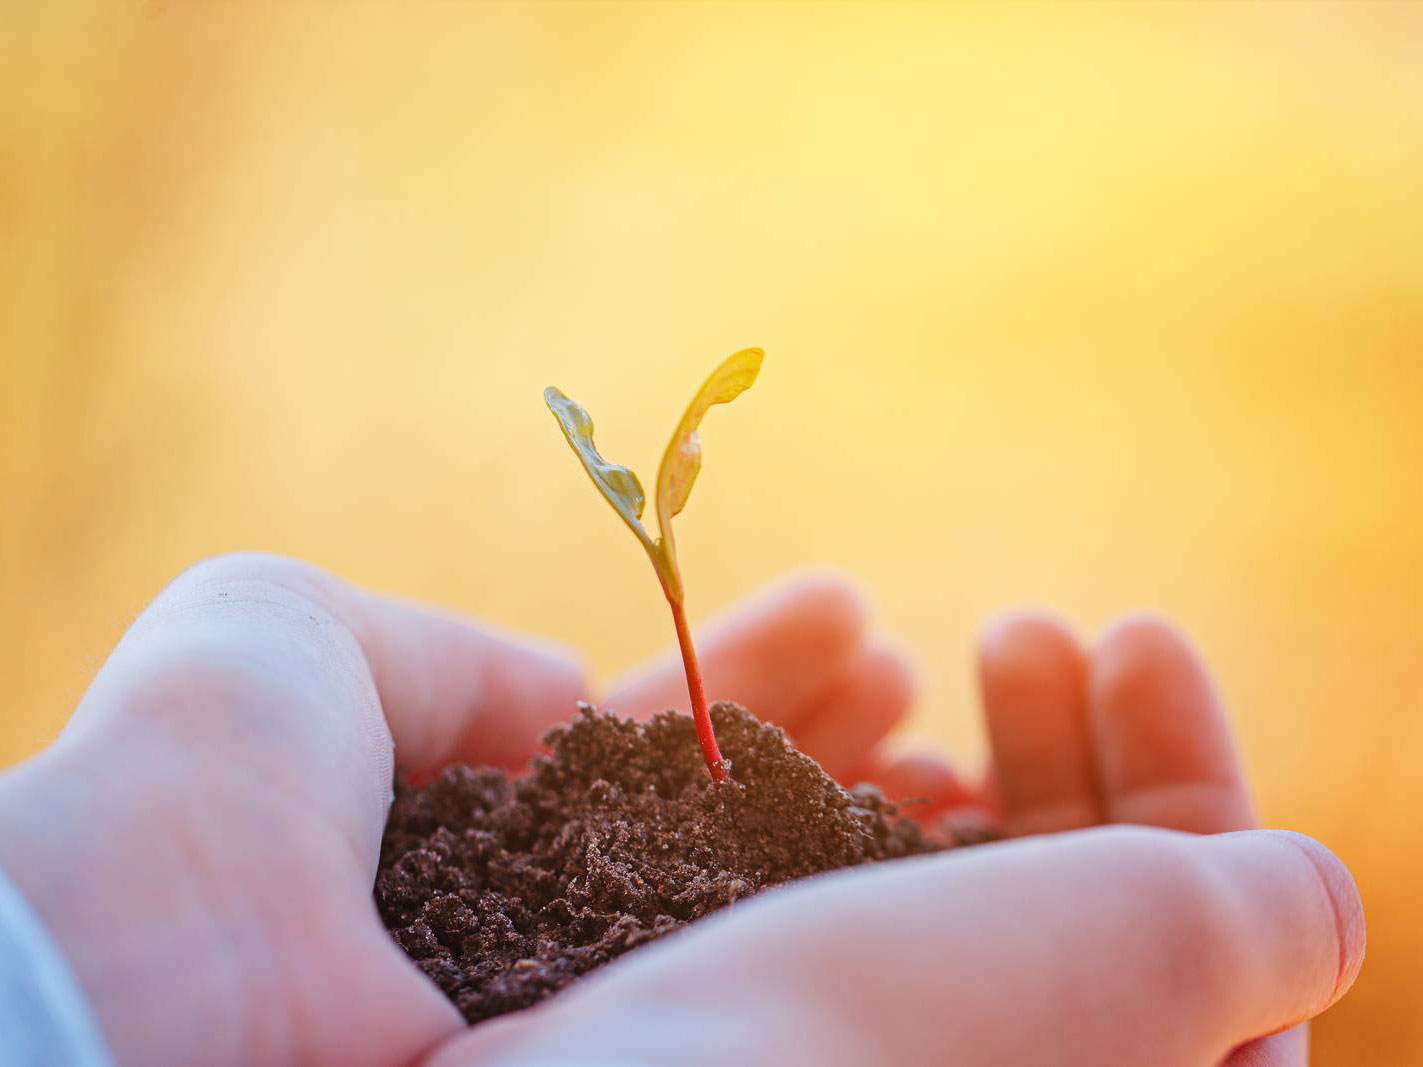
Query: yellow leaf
[683, 459]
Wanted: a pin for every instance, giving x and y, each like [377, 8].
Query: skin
[202, 841]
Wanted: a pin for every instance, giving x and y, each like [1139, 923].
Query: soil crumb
[506, 890]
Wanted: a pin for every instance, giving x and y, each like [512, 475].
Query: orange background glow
[1100, 307]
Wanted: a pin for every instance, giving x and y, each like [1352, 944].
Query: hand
[202, 840]
[1077, 946]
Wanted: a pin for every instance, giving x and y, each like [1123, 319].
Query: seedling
[681, 463]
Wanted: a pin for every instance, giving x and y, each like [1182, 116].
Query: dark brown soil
[504, 891]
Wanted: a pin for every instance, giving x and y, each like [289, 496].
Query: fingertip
[459, 691]
[870, 698]
[1135, 646]
[553, 676]
[1345, 902]
[1287, 926]
[823, 601]
[1028, 640]
[530, 686]
[888, 680]
[891, 670]
[924, 778]
[1006, 630]
[564, 667]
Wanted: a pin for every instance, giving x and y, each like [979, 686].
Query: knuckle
[261, 584]
[246, 621]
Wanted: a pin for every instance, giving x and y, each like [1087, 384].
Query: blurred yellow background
[1096, 307]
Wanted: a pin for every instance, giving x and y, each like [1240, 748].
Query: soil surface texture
[504, 890]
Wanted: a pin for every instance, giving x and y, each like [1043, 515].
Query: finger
[1237, 935]
[990, 793]
[457, 692]
[923, 782]
[1165, 758]
[1163, 746]
[451, 690]
[1095, 945]
[870, 698]
[382, 1011]
[772, 655]
[1033, 677]
[314, 660]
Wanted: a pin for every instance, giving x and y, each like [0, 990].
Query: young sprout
[680, 464]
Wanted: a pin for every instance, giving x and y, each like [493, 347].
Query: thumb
[1117, 946]
[275, 662]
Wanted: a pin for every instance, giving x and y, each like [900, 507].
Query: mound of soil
[506, 890]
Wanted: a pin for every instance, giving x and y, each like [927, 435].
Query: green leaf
[683, 459]
[619, 486]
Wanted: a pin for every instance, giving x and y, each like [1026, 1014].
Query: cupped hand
[1075, 943]
[202, 840]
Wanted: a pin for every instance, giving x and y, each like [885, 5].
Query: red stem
[706, 737]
